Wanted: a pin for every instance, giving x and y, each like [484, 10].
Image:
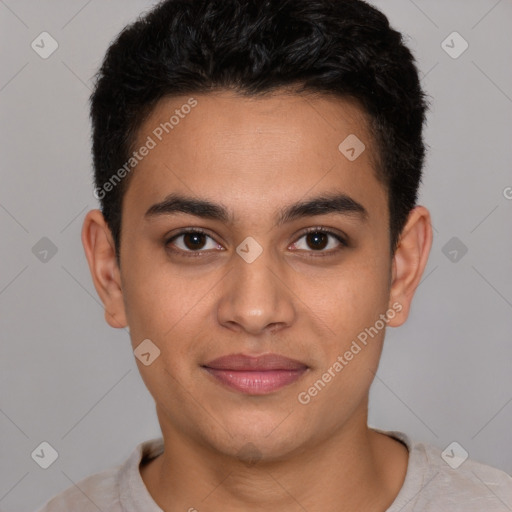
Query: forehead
[225, 116]
[254, 151]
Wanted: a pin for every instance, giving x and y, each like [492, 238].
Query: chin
[259, 437]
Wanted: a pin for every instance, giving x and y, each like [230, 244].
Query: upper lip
[265, 362]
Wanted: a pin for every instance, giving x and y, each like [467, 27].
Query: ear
[99, 250]
[409, 262]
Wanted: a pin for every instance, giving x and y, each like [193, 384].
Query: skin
[256, 156]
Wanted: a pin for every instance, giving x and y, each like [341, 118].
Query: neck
[356, 469]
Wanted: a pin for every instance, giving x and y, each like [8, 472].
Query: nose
[256, 296]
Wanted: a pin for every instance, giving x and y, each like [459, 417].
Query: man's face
[306, 297]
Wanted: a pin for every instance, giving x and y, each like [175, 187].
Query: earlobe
[409, 261]
[100, 253]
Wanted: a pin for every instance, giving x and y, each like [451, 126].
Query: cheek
[351, 357]
[172, 311]
[358, 296]
[155, 297]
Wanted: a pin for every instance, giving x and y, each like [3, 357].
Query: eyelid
[185, 231]
[339, 236]
[342, 237]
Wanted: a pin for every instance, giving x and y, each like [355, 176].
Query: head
[257, 121]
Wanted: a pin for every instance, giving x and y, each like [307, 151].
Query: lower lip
[256, 382]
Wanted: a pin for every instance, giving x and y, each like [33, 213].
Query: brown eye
[191, 241]
[194, 241]
[317, 240]
[321, 241]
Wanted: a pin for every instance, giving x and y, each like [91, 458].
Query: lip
[255, 375]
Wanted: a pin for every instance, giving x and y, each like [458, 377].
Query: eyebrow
[338, 203]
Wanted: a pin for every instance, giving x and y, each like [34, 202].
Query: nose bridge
[255, 297]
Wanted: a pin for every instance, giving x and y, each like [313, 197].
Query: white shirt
[430, 485]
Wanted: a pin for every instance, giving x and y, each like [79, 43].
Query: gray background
[69, 379]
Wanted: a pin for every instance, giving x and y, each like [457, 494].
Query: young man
[257, 164]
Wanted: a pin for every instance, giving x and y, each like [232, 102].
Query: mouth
[255, 375]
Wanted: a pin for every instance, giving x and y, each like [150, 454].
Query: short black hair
[344, 48]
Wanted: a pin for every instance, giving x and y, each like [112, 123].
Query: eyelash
[316, 229]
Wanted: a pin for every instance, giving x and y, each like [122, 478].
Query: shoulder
[110, 489]
[450, 480]
[472, 486]
[93, 493]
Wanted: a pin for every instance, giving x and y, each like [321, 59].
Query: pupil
[318, 240]
[197, 239]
